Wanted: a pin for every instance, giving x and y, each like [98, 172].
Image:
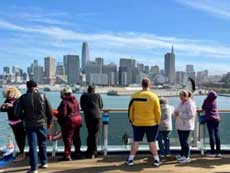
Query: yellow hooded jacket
[144, 109]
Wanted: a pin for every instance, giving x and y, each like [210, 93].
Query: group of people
[153, 116]
[31, 115]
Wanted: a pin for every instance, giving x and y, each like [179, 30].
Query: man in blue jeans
[34, 109]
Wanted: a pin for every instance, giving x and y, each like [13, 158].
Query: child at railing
[212, 118]
[165, 127]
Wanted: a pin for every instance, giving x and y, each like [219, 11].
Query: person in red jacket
[70, 121]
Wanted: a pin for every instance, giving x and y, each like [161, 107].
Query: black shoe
[77, 157]
[65, 159]
[93, 156]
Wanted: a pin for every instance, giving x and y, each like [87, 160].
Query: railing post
[55, 148]
[105, 121]
[202, 134]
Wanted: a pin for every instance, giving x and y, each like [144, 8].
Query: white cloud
[219, 8]
[129, 40]
[57, 41]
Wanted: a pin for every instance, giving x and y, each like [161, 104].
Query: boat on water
[112, 93]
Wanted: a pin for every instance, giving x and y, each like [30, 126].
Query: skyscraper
[170, 69]
[50, 70]
[84, 56]
[127, 71]
[72, 68]
[190, 72]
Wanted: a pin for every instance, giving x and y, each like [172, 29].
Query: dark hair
[91, 89]
[31, 84]
[146, 82]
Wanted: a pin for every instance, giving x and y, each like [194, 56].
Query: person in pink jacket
[185, 114]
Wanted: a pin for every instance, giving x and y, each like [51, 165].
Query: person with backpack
[35, 110]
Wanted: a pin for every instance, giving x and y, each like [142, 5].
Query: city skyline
[117, 29]
[69, 71]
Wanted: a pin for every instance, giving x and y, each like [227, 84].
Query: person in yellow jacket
[144, 115]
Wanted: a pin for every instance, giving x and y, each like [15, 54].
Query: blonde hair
[184, 93]
[11, 92]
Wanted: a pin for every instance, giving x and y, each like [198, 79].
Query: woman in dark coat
[212, 118]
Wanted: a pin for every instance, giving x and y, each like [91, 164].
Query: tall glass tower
[84, 56]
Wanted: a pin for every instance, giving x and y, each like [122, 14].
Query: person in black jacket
[34, 109]
[12, 94]
[92, 104]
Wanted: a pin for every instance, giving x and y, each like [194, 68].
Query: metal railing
[115, 123]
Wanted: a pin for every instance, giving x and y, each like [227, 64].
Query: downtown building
[98, 73]
[72, 69]
[36, 72]
[84, 56]
[50, 70]
[127, 71]
[190, 72]
[170, 67]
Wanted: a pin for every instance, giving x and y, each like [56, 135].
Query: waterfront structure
[170, 67]
[72, 68]
[84, 56]
[50, 70]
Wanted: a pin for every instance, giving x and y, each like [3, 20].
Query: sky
[114, 29]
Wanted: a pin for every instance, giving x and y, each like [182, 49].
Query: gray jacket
[34, 109]
[166, 117]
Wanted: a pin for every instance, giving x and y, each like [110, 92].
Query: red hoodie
[69, 109]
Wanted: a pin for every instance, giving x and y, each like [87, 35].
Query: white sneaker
[130, 163]
[178, 157]
[219, 155]
[156, 163]
[185, 160]
[43, 166]
[210, 155]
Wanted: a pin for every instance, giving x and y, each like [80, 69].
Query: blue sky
[114, 29]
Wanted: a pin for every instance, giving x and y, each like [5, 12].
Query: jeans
[164, 142]
[93, 126]
[20, 136]
[71, 134]
[183, 137]
[37, 136]
[213, 130]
